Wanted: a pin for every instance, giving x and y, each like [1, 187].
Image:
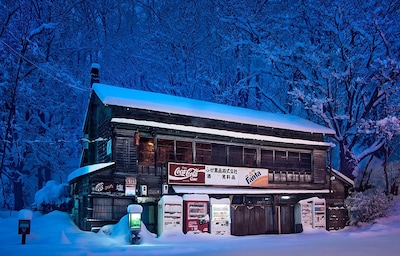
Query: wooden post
[279, 218]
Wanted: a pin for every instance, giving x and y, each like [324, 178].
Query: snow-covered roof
[312, 199]
[87, 169]
[181, 189]
[118, 96]
[241, 135]
[220, 201]
[344, 177]
[170, 199]
[196, 197]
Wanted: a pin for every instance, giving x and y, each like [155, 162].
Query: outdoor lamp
[134, 222]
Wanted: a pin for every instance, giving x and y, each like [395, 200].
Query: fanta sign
[196, 174]
[256, 178]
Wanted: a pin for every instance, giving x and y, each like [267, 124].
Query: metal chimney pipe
[94, 74]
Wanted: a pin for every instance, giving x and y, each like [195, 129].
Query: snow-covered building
[142, 145]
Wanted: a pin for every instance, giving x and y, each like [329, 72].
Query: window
[238, 199]
[280, 160]
[235, 156]
[305, 162]
[165, 151]
[184, 152]
[285, 160]
[146, 152]
[218, 154]
[293, 161]
[126, 155]
[102, 208]
[267, 159]
[109, 208]
[250, 157]
[203, 153]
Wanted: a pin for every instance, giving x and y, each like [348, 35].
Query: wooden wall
[319, 173]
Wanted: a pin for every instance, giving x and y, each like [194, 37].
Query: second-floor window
[169, 150]
[146, 152]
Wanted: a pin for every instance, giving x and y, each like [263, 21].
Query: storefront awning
[87, 169]
[242, 191]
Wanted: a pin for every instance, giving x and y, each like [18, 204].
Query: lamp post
[134, 222]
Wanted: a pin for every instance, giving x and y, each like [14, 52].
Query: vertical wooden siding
[126, 155]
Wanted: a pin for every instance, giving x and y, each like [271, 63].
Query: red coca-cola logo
[191, 173]
[181, 173]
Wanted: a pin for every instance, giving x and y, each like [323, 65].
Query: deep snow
[55, 234]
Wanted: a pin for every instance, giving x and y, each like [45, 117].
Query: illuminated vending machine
[196, 216]
[319, 210]
[220, 216]
[310, 214]
[170, 209]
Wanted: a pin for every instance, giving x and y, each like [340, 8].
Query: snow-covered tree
[51, 197]
[347, 72]
[338, 59]
[39, 123]
[367, 205]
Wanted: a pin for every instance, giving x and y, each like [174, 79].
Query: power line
[42, 70]
[82, 140]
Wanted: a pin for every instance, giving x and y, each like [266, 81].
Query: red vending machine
[196, 216]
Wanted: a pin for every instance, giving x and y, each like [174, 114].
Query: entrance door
[256, 220]
[252, 220]
[271, 226]
[239, 226]
[286, 219]
[262, 219]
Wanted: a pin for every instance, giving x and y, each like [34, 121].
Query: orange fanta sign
[256, 178]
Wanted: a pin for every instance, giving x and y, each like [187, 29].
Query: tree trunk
[347, 161]
[387, 190]
[18, 201]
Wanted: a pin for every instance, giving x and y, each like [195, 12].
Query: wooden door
[239, 225]
[286, 219]
[252, 220]
[256, 220]
[271, 226]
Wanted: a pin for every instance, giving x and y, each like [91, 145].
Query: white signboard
[198, 174]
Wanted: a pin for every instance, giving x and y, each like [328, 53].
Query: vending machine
[311, 213]
[319, 216]
[170, 215]
[196, 215]
[220, 216]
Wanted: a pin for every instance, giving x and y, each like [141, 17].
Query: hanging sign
[130, 186]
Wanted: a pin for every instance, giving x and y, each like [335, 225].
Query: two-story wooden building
[133, 137]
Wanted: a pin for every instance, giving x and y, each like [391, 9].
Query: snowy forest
[333, 62]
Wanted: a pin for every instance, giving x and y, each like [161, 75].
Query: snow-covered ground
[55, 234]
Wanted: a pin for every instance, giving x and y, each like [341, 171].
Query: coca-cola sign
[186, 174]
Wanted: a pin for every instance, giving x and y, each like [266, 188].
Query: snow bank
[51, 194]
[120, 232]
[25, 215]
